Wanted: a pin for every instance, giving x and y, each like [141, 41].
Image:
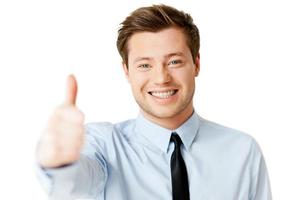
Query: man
[168, 151]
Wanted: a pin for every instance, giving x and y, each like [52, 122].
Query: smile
[163, 95]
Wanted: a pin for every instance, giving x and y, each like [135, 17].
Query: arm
[70, 164]
[260, 187]
[84, 178]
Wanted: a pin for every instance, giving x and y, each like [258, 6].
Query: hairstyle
[153, 19]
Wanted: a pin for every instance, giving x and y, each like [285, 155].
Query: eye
[175, 62]
[144, 67]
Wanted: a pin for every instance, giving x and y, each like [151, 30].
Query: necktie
[180, 188]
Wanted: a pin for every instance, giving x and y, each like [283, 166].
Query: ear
[197, 65]
[125, 70]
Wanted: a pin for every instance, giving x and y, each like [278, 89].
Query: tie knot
[176, 139]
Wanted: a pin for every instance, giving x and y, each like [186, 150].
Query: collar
[160, 136]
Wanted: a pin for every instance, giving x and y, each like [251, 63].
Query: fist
[63, 136]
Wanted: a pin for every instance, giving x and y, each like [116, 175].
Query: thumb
[71, 90]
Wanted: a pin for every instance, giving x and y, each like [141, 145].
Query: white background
[250, 76]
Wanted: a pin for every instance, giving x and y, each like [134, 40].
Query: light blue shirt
[131, 161]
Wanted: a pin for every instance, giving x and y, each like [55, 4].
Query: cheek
[138, 81]
[184, 77]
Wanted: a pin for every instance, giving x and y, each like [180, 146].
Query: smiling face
[162, 75]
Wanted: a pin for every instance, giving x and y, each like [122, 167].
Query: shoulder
[104, 138]
[98, 127]
[107, 130]
[229, 138]
[217, 130]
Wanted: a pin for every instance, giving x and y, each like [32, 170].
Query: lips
[163, 94]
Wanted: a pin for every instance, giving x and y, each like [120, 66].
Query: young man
[168, 151]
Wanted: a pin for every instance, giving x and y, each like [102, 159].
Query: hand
[63, 137]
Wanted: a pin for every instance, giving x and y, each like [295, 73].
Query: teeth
[163, 95]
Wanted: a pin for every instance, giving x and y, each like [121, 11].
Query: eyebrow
[166, 56]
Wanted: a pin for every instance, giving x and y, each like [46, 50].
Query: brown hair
[153, 19]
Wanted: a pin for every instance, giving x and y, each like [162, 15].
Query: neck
[172, 122]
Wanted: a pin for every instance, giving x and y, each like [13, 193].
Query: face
[162, 73]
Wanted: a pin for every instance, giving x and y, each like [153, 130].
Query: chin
[161, 113]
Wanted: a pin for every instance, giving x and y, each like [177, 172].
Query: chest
[148, 174]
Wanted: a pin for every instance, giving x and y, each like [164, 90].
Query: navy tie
[180, 187]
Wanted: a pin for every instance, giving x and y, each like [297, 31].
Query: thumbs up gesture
[63, 137]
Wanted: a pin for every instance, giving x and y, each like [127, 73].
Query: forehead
[157, 44]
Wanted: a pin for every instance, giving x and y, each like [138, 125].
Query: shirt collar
[160, 136]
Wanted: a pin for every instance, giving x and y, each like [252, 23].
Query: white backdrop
[250, 76]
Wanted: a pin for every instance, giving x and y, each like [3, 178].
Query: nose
[161, 75]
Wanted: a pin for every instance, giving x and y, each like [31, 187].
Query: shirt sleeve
[260, 187]
[85, 178]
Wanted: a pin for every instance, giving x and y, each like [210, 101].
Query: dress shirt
[130, 160]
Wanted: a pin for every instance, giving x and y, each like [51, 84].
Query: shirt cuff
[46, 175]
